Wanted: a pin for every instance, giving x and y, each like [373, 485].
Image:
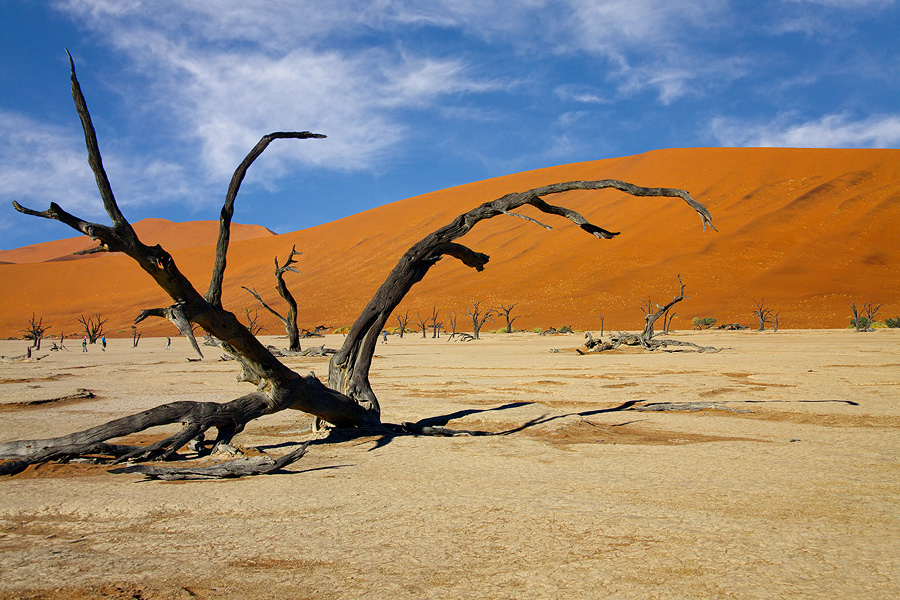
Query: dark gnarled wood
[349, 368]
[348, 401]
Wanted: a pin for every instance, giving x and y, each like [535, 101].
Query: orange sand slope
[808, 230]
[172, 236]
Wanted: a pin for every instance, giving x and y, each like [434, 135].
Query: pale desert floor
[581, 497]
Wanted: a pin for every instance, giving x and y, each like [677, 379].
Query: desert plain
[786, 484]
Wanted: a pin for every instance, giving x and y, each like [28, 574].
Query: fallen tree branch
[242, 467]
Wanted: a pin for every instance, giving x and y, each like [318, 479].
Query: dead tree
[290, 319]
[479, 318]
[866, 323]
[504, 311]
[646, 338]
[348, 400]
[135, 336]
[422, 322]
[35, 331]
[871, 313]
[602, 319]
[403, 321]
[252, 324]
[451, 317]
[93, 327]
[434, 324]
[763, 315]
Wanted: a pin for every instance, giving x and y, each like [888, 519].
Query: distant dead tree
[93, 327]
[866, 323]
[346, 401]
[422, 322]
[290, 319]
[763, 315]
[434, 324]
[451, 317]
[646, 338]
[252, 314]
[135, 336]
[403, 321]
[602, 319]
[479, 318]
[35, 331]
[504, 311]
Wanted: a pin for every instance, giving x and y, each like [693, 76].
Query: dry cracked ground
[781, 481]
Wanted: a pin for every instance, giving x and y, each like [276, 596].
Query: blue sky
[414, 96]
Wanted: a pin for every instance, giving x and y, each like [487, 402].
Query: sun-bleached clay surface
[578, 496]
[807, 230]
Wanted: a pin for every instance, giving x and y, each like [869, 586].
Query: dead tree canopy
[36, 331]
[479, 317]
[348, 400]
[93, 327]
[505, 311]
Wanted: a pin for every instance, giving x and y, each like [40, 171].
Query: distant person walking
[168, 342]
[84, 344]
[384, 336]
[103, 341]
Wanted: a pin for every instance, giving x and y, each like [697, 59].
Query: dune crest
[170, 235]
[808, 230]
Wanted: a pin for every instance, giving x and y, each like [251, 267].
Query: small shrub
[893, 323]
[704, 323]
[565, 329]
[344, 329]
[537, 330]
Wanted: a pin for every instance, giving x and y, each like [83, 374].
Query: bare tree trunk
[452, 318]
[763, 315]
[403, 321]
[478, 318]
[435, 325]
[289, 320]
[504, 311]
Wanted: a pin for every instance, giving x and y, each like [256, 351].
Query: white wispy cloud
[41, 163]
[224, 95]
[830, 131]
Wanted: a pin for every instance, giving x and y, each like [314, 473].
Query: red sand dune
[172, 236]
[808, 230]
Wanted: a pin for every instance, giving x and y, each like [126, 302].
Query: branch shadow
[434, 426]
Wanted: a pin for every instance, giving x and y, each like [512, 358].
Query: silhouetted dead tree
[434, 324]
[348, 400]
[866, 323]
[135, 337]
[290, 319]
[403, 321]
[451, 317]
[763, 315]
[93, 327]
[504, 311]
[422, 322]
[35, 331]
[252, 315]
[479, 318]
